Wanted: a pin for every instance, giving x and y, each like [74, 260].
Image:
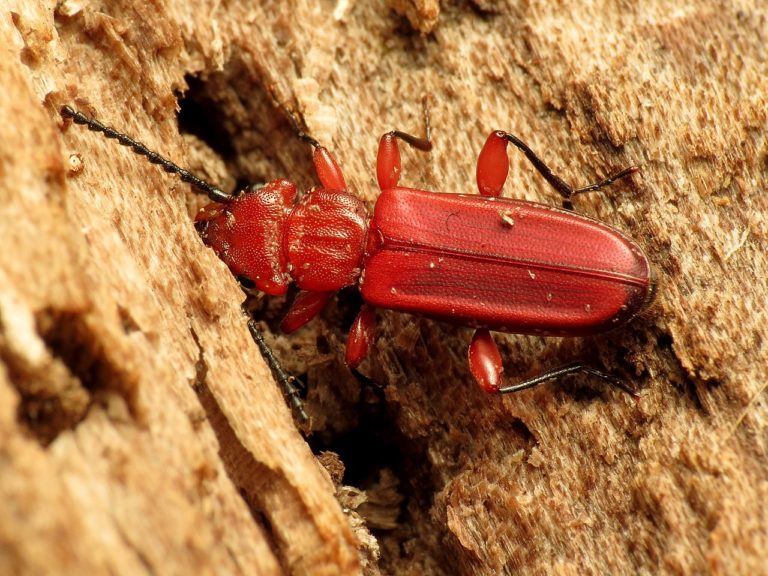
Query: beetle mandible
[482, 261]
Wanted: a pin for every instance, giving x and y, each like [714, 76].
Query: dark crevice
[379, 460]
[693, 392]
[521, 431]
[679, 376]
[128, 322]
[57, 393]
[664, 341]
[365, 450]
[236, 115]
[198, 116]
[201, 366]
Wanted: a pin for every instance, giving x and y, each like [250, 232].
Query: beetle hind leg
[560, 371]
[486, 366]
[493, 167]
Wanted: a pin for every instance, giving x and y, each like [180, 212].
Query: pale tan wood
[157, 445]
[141, 430]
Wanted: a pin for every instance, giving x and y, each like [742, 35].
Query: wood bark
[141, 432]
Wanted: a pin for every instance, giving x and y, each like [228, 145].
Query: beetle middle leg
[362, 332]
[493, 167]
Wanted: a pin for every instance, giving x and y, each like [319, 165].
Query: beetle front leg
[290, 391]
[327, 169]
[493, 168]
[304, 308]
[487, 368]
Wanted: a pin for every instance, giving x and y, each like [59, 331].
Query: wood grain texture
[142, 433]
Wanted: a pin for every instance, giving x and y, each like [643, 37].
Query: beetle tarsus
[608, 181]
[563, 188]
[565, 370]
[420, 143]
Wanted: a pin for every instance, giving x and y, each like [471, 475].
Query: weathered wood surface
[141, 431]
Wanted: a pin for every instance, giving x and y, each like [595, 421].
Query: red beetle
[477, 260]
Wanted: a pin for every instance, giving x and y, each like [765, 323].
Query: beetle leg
[326, 167]
[485, 361]
[493, 167]
[388, 157]
[361, 336]
[290, 391]
[328, 171]
[608, 181]
[573, 368]
[306, 306]
[486, 366]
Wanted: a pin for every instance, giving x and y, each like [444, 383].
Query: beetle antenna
[214, 193]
